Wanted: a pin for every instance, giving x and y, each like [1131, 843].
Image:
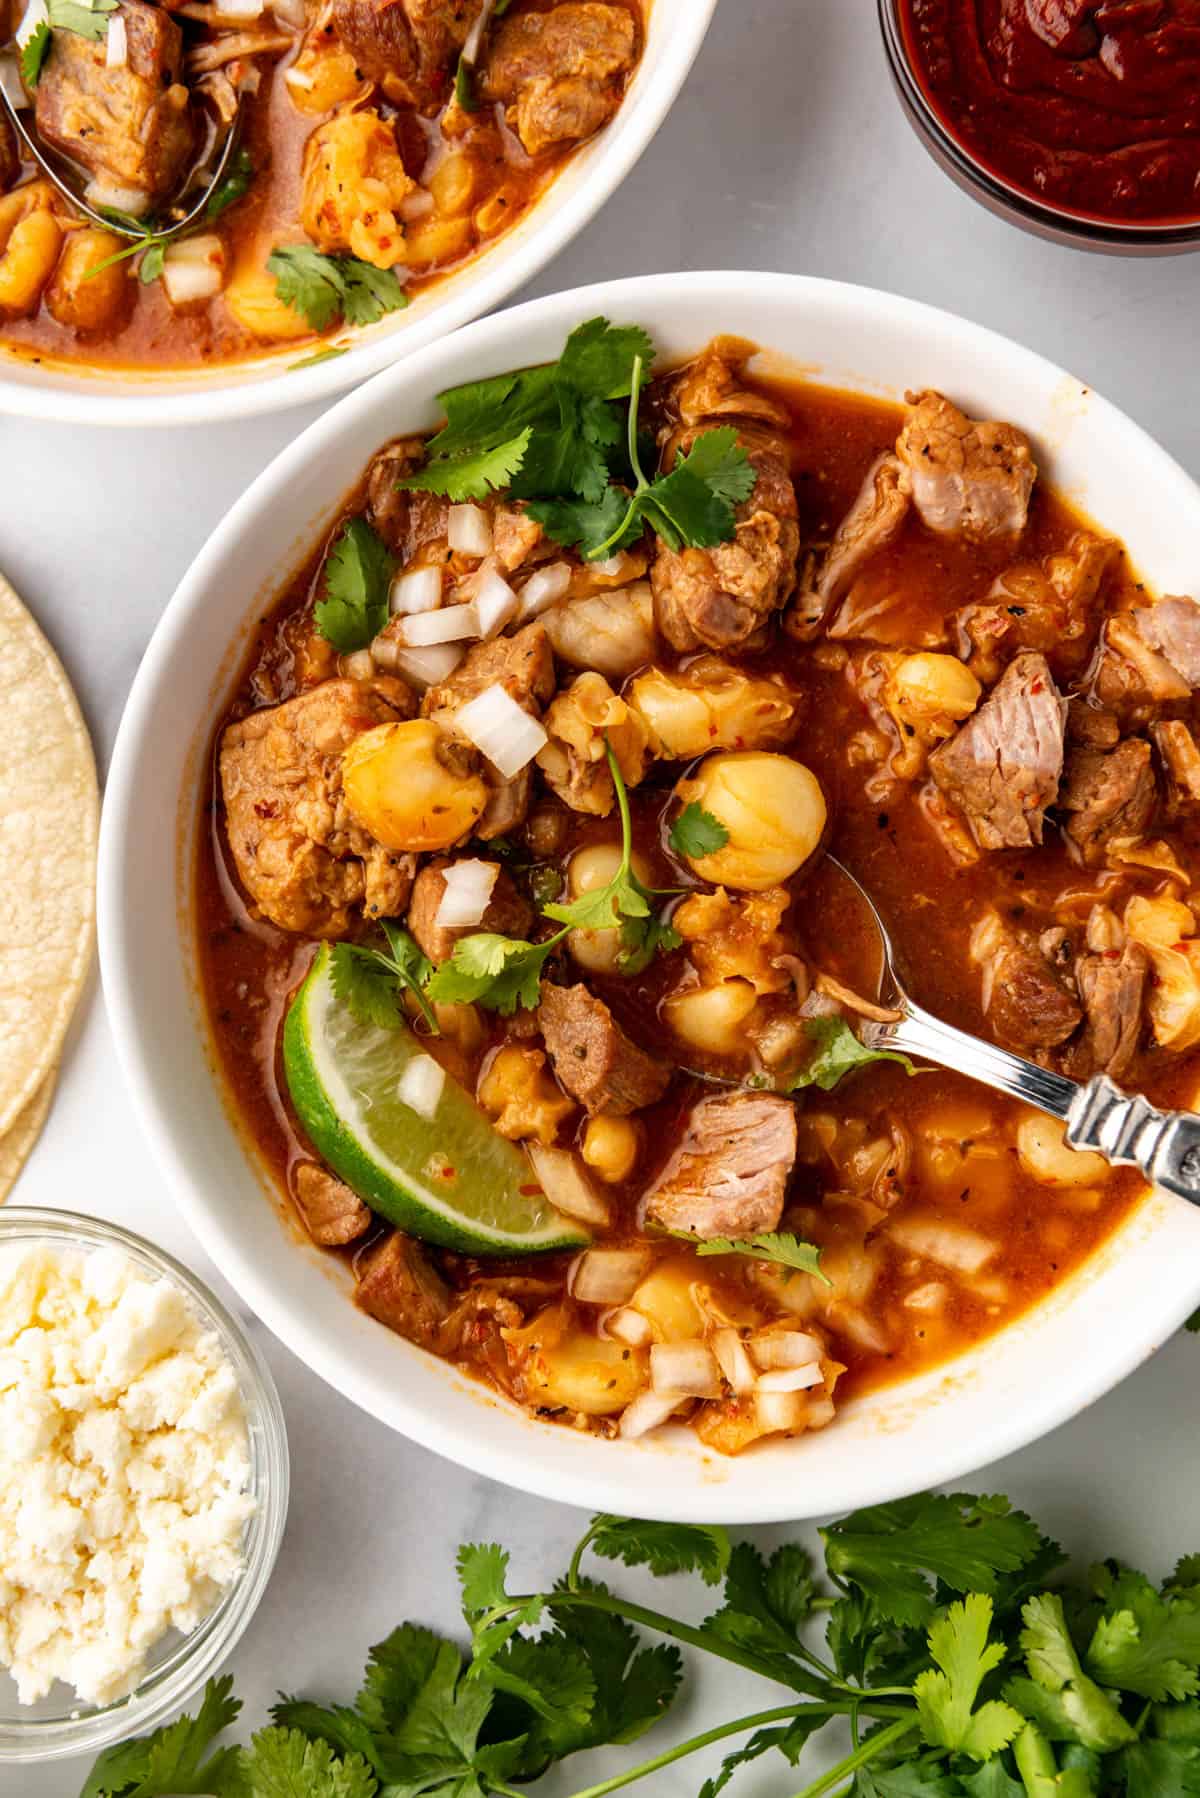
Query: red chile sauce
[1092, 109]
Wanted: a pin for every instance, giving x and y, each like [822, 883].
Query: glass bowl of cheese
[143, 1484]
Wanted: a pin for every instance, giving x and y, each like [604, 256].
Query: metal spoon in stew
[1123, 1127]
[68, 179]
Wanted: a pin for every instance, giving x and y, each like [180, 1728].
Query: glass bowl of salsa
[1078, 120]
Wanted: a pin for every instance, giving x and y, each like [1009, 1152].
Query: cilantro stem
[642, 485]
[869, 1751]
[614, 768]
[739, 1726]
[581, 1548]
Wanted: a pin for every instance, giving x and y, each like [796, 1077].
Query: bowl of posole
[269, 382]
[936, 1427]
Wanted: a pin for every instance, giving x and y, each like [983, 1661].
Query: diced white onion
[820, 1412]
[290, 12]
[647, 1412]
[544, 588]
[612, 566]
[416, 205]
[299, 78]
[466, 891]
[930, 1297]
[420, 590]
[35, 14]
[359, 666]
[784, 1348]
[116, 44]
[420, 1085]
[451, 624]
[469, 531]
[776, 1411]
[111, 196]
[12, 85]
[734, 1361]
[860, 1328]
[627, 1325]
[420, 667]
[950, 1245]
[607, 1276]
[688, 1367]
[241, 10]
[194, 269]
[789, 1379]
[566, 1185]
[501, 730]
[495, 603]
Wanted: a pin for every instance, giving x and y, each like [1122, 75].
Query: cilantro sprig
[778, 1246]
[838, 1053]
[696, 832]
[502, 973]
[372, 982]
[357, 576]
[86, 18]
[962, 1667]
[321, 288]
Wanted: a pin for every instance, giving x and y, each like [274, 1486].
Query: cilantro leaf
[992, 1780]
[663, 1547]
[551, 1675]
[1193, 1323]
[839, 1053]
[481, 414]
[497, 972]
[342, 1728]
[1058, 1697]
[233, 185]
[1161, 1770]
[437, 1736]
[790, 1742]
[34, 52]
[482, 1572]
[171, 1759]
[154, 260]
[397, 1670]
[766, 1603]
[894, 1552]
[472, 475]
[321, 288]
[1145, 1643]
[634, 1685]
[588, 526]
[696, 832]
[959, 1645]
[779, 1246]
[923, 1778]
[357, 575]
[693, 506]
[283, 1763]
[370, 983]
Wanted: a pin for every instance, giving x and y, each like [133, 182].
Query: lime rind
[451, 1179]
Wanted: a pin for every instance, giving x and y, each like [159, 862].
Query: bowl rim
[199, 1655]
[1082, 1381]
[1083, 229]
[617, 149]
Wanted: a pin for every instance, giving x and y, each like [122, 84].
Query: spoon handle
[1123, 1127]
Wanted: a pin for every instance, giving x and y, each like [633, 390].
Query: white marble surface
[787, 150]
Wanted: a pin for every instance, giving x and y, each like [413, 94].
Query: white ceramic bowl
[984, 1404]
[267, 383]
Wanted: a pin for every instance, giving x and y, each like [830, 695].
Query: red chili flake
[1037, 687]
[529, 1192]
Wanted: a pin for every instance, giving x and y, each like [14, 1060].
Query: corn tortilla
[49, 819]
[16, 1145]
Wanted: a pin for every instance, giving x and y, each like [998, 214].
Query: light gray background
[787, 150]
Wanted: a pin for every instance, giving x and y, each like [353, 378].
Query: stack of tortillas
[49, 820]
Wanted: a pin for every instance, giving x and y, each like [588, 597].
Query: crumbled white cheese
[124, 1465]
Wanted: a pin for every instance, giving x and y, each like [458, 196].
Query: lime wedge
[450, 1179]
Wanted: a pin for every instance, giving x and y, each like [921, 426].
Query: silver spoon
[109, 221]
[1123, 1127]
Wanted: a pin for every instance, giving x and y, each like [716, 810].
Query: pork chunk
[969, 479]
[1172, 627]
[1112, 987]
[409, 522]
[1181, 761]
[592, 1057]
[1002, 767]
[508, 912]
[408, 46]
[1150, 657]
[718, 598]
[398, 1284]
[1027, 999]
[730, 1173]
[333, 1215]
[873, 521]
[524, 666]
[560, 73]
[304, 861]
[1055, 606]
[1107, 794]
[132, 126]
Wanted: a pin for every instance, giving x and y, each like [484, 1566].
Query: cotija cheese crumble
[124, 1467]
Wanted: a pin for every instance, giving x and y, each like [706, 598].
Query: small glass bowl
[179, 1665]
[1077, 230]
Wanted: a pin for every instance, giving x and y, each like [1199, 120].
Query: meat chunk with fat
[333, 1215]
[729, 1175]
[592, 1057]
[1002, 767]
[561, 73]
[969, 479]
[1055, 606]
[399, 1285]
[130, 126]
[410, 47]
[1112, 986]
[1172, 627]
[718, 598]
[1150, 657]
[873, 521]
[524, 666]
[1107, 794]
[304, 861]
[410, 522]
[1027, 1001]
[1181, 763]
[508, 912]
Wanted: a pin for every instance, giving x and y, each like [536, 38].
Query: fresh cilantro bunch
[321, 288]
[961, 1664]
